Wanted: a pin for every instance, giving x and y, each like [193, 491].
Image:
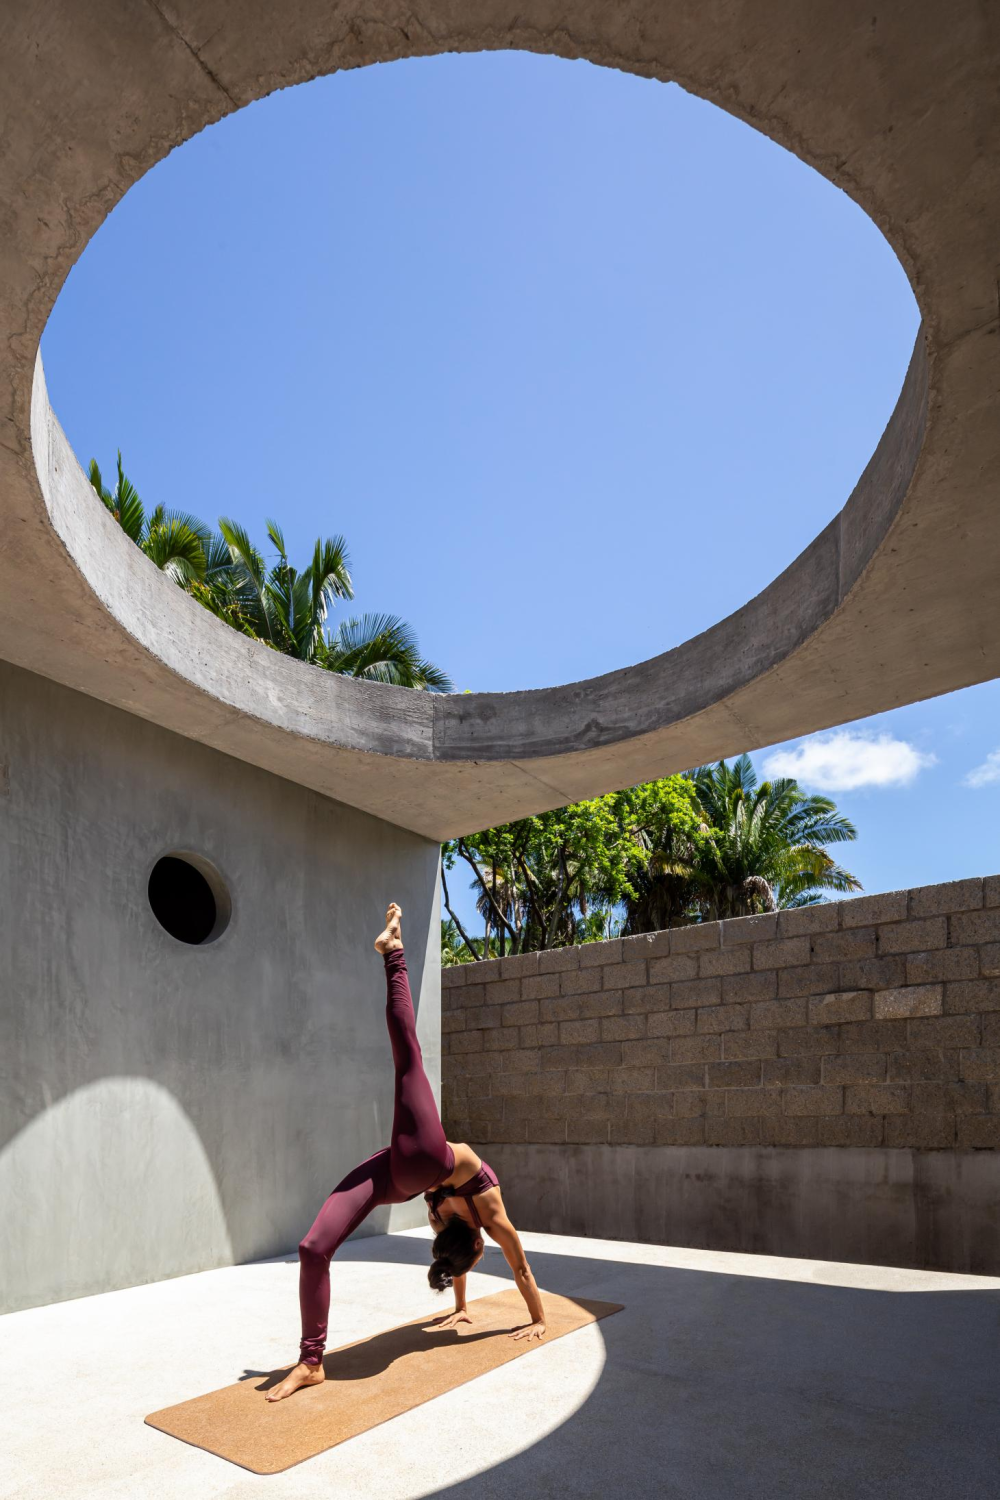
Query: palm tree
[173, 540]
[766, 843]
[281, 606]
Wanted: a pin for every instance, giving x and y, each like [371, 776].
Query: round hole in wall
[189, 898]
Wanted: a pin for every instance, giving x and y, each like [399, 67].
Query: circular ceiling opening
[188, 898]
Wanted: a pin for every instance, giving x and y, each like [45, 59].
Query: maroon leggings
[417, 1159]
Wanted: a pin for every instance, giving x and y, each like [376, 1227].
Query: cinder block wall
[871, 1024]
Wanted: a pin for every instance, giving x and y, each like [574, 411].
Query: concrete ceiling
[894, 601]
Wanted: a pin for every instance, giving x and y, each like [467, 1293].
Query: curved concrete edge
[712, 666]
[894, 109]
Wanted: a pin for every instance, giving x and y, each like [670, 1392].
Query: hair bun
[440, 1274]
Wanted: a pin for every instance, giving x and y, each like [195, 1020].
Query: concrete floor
[728, 1376]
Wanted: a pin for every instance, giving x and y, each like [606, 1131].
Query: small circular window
[189, 898]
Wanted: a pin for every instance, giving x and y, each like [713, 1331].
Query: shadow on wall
[727, 1387]
[118, 1167]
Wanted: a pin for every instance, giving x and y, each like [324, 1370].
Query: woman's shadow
[371, 1356]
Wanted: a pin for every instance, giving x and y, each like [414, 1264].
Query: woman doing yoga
[461, 1191]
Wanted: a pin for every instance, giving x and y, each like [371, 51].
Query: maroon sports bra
[484, 1179]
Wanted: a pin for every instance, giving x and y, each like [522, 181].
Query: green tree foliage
[684, 849]
[555, 879]
[286, 608]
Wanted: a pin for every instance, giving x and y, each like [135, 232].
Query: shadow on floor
[727, 1387]
[372, 1356]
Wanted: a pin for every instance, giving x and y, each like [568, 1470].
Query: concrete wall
[815, 1082]
[167, 1108]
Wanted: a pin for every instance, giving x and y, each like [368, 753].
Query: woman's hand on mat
[453, 1319]
[531, 1331]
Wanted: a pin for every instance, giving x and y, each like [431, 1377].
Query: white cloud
[985, 774]
[845, 761]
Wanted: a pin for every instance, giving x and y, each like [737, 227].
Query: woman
[461, 1190]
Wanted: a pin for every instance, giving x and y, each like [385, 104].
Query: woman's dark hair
[454, 1251]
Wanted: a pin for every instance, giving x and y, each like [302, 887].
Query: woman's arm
[461, 1313]
[500, 1229]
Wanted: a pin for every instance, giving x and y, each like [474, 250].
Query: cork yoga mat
[366, 1383]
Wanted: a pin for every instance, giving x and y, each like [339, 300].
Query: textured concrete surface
[872, 1205]
[166, 1108]
[726, 1377]
[893, 601]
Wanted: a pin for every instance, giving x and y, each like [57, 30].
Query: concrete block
[502, 1039]
[747, 989]
[721, 1075]
[768, 1014]
[872, 974]
[622, 1028]
[810, 979]
[935, 1065]
[697, 1049]
[602, 955]
[539, 986]
[726, 1131]
[578, 981]
[863, 911]
[950, 1098]
[910, 1000]
[624, 976]
[981, 1065]
[681, 1075]
[943, 1031]
[519, 966]
[873, 1036]
[588, 1081]
[781, 953]
[648, 1053]
[558, 960]
[848, 1005]
[812, 1099]
[877, 1099]
[808, 1041]
[677, 966]
[789, 1130]
[750, 929]
[689, 1104]
[674, 1132]
[784, 1070]
[941, 964]
[671, 1023]
[913, 937]
[632, 1080]
[852, 943]
[724, 961]
[989, 960]
[650, 997]
[695, 992]
[520, 1013]
[629, 1132]
[740, 1046]
[696, 938]
[976, 1132]
[543, 1034]
[753, 1101]
[850, 1130]
[924, 1132]
[956, 895]
[521, 1060]
[572, 1032]
[466, 1041]
[963, 996]
[721, 1018]
[974, 927]
[803, 921]
[855, 1067]
[587, 1132]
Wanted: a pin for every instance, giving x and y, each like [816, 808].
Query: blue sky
[576, 362]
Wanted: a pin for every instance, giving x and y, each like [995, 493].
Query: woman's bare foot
[390, 938]
[295, 1379]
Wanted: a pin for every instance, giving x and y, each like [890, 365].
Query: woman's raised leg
[420, 1157]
